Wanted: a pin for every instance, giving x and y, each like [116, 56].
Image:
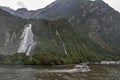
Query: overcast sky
[114, 3]
[29, 4]
[37, 4]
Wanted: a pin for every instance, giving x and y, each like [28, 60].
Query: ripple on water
[31, 73]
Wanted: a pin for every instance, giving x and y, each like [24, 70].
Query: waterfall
[27, 40]
[7, 38]
[65, 51]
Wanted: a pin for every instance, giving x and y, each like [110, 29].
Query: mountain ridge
[89, 30]
[37, 13]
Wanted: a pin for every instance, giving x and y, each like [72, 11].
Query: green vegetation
[43, 59]
[38, 59]
[81, 42]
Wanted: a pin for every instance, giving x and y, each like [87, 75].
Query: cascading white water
[65, 51]
[27, 40]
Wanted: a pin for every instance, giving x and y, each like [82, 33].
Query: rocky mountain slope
[97, 16]
[101, 20]
[55, 37]
[84, 28]
[10, 31]
[22, 12]
[11, 11]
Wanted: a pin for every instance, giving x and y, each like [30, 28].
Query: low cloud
[21, 4]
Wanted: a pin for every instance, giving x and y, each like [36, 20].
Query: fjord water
[99, 72]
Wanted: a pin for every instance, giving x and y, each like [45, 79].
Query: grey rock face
[7, 9]
[93, 23]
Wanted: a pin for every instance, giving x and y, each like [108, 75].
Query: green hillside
[57, 42]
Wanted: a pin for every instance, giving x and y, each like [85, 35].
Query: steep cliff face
[24, 13]
[90, 29]
[94, 15]
[73, 9]
[15, 35]
[43, 36]
[60, 38]
[10, 30]
[11, 11]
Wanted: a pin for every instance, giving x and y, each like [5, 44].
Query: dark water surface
[99, 72]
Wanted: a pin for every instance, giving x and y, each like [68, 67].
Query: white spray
[27, 40]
